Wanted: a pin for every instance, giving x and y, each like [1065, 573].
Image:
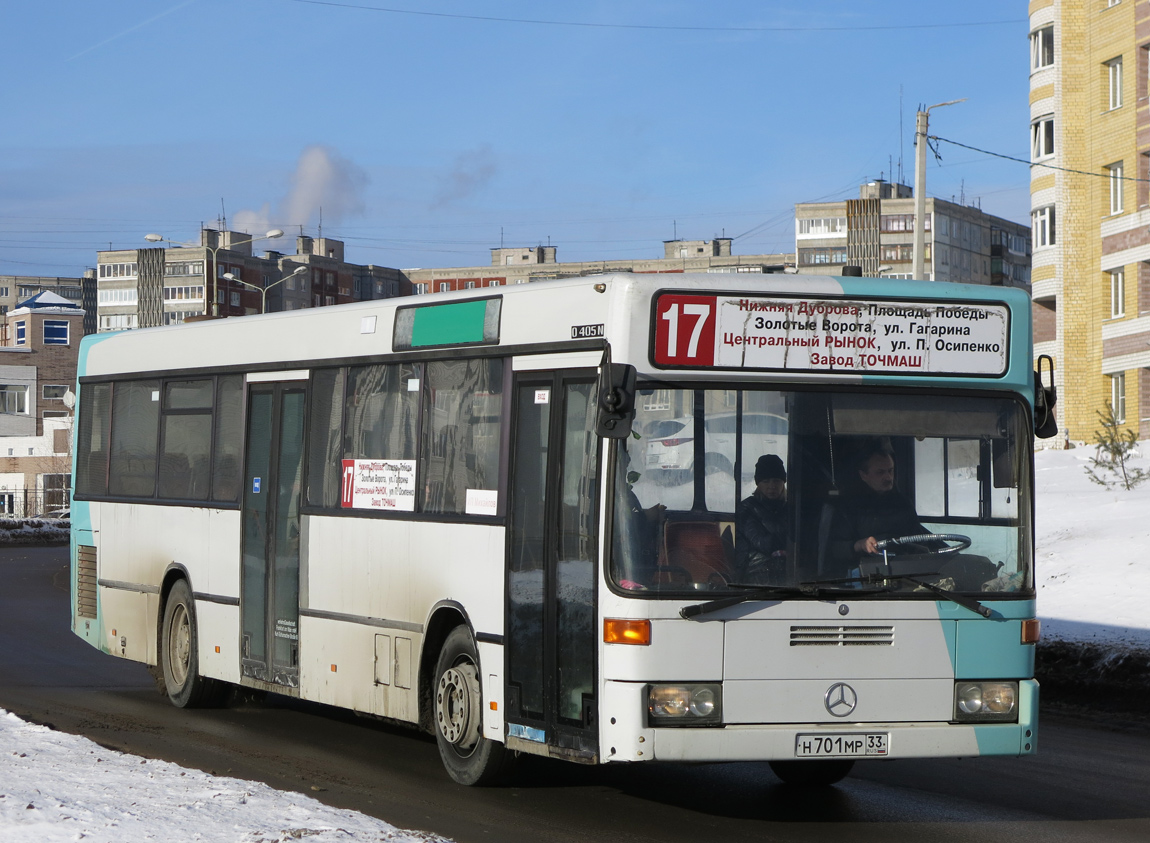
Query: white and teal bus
[514, 518]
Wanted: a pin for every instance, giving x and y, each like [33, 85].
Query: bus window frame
[1025, 520]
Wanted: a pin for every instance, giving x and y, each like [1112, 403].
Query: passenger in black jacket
[876, 511]
[761, 525]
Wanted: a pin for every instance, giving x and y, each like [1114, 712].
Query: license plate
[841, 745]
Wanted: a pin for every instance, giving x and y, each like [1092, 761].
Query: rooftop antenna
[319, 233]
[962, 192]
[223, 216]
[900, 138]
[500, 237]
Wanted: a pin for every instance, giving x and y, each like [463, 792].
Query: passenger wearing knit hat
[761, 525]
[769, 467]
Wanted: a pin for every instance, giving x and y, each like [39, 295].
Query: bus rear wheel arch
[179, 660]
[457, 715]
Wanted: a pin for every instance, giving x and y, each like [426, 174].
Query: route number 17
[685, 331]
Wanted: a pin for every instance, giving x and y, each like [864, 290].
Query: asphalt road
[1086, 783]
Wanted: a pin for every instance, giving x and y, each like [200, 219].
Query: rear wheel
[457, 702]
[178, 657]
[817, 773]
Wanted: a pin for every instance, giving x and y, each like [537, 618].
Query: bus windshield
[727, 489]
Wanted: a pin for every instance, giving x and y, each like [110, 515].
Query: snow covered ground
[56, 787]
[1093, 579]
[1092, 553]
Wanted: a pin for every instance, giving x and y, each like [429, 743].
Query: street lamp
[263, 291]
[157, 238]
[922, 120]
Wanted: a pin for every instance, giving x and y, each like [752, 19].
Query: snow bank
[23, 531]
[1092, 553]
[56, 787]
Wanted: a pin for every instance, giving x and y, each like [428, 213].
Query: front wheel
[470, 758]
[815, 773]
[179, 661]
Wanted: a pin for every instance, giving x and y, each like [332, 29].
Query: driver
[874, 512]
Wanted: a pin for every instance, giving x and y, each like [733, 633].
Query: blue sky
[426, 131]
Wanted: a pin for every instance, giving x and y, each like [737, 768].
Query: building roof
[46, 299]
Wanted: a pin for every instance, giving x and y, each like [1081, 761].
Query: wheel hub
[457, 705]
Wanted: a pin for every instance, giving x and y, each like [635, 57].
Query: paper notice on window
[482, 502]
[387, 485]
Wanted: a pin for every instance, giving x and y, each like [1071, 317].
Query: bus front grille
[842, 636]
[85, 581]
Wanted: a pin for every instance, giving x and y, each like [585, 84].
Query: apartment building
[80, 291]
[520, 265]
[222, 276]
[876, 232]
[1090, 206]
[39, 345]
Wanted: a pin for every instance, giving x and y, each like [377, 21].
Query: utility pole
[920, 129]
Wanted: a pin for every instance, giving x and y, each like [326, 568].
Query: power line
[658, 27]
[1036, 163]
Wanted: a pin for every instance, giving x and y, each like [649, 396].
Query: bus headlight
[685, 704]
[986, 701]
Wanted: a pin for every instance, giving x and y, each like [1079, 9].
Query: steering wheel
[906, 542]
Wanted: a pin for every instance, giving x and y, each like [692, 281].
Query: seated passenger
[873, 512]
[761, 525]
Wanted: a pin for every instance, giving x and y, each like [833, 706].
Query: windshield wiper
[755, 592]
[954, 597]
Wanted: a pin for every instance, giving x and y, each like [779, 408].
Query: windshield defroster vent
[842, 636]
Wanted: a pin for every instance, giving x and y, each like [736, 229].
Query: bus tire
[815, 773]
[457, 712]
[179, 660]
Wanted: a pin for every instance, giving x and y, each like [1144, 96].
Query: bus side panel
[219, 640]
[361, 667]
[378, 582]
[136, 546]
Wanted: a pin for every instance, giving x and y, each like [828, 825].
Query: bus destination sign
[840, 336]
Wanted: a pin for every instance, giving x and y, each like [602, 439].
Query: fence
[33, 503]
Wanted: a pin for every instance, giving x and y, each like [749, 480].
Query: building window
[118, 322]
[55, 332]
[1118, 396]
[826, 227]
[14, 399]
[21, 333]
[420, 288]
[54, 391]
[1114, 74]
[1043, 225]
[234, 298]
[1042, 137]
[1042, 48]
[444, 286]
[1117, 293]
[1114, 171]
[469, 285]
[901, 222]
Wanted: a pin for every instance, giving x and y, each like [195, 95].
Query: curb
[1104, 679]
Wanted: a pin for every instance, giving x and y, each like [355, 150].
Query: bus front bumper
[635, 741]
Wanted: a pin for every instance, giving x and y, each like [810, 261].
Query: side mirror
[1045, 397]
[616, 400]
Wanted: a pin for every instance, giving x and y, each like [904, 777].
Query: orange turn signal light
[622, 631]
[1031, 631]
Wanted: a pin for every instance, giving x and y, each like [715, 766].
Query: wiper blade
[954, 597]
[758, 592]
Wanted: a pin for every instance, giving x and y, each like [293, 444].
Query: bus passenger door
[269, 590]
[550, 697]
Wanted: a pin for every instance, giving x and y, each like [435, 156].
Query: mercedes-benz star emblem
[840, 699]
